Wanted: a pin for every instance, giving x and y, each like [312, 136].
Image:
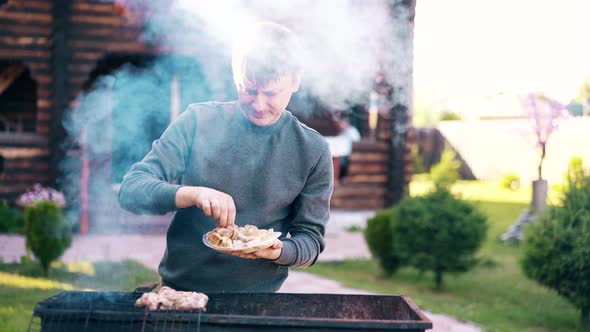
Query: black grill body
[115, 311]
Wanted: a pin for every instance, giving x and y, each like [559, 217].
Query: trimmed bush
[574, 176]
[510, 181]
[417, 160]
[438, 233]
[47, 233]
[11, 220]
[556, 248]
[379, 237]
[446, 172]
[448, 115]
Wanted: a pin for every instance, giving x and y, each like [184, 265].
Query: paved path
[148, 250]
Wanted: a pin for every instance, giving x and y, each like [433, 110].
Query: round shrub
[510, 181]
[47, 233]
[446, 172]
[438, 233]
[379, 237]
[11, 220]
[556, 248]
[417, 160]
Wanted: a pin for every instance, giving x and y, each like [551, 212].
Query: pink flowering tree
[40, 193]
[47, 233]
[545, 114]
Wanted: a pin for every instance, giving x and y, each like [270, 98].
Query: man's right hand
[213, 203]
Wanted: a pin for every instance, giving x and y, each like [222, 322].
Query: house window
[18, 98]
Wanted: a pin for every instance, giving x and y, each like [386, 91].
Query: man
[244, 162]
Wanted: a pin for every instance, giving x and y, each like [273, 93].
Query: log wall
[98, 29]
[25, 37]
[365, 186]
[61, 54]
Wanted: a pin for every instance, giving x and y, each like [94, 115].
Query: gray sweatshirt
[280, 176]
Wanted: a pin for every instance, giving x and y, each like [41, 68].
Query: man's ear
[297, 82]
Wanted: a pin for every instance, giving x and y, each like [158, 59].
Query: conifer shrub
[11, 220]
[556, 247]
[510, 181]
[47, 233]
[436, 232]
[439, 233]
[379, 238]
[446, 172]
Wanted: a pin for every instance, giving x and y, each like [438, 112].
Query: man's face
[263, 105]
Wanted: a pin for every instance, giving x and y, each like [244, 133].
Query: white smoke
[347, 41]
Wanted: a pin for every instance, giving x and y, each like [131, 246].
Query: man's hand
[213, 203]
[271, 253]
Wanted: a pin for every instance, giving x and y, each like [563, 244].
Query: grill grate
[116, 311]
[107, 311]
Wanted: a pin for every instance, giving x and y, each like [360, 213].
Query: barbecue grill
[116, 311]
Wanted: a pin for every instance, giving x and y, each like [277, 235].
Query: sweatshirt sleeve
[146, 188]
[311, 213]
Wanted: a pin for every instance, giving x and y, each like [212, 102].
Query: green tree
[446, 172]
[448, 115]
[11, 221]
[47, 233]
[379, 237]
[436, 232]
[556, 248]
[417, 160]
[574, 176]
[584, 92]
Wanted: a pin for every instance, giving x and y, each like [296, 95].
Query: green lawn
[22, 285]
[495, 294]
[487, 191]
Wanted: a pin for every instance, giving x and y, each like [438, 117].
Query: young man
[244, 162]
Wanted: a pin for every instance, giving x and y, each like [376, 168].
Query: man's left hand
[271, 253]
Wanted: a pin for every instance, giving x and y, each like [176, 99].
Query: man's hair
[264, 53]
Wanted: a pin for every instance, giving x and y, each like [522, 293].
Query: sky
[466, 50]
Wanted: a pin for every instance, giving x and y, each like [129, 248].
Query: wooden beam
[24, 42]
[27, 17]
[24, 54]
[110, 46]
[44, 6]
[26, 152]
[104, 8]
[94, 20]
[61, 57]
[25, 29]
[402, 12]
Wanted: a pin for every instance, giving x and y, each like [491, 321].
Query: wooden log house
[51, 51]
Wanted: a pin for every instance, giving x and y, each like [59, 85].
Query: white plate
[246, 247]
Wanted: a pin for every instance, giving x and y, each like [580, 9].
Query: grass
[487, 191]
[23, 285]
[495, 295]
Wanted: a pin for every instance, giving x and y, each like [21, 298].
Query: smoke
[129, 104]
[115, 122]
[347, 41]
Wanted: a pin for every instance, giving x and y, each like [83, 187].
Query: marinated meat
[238, 237]
[169, 299]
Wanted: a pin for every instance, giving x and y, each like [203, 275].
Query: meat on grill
[169, 299]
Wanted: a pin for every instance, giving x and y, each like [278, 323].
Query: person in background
[248, 161]
[341, 145]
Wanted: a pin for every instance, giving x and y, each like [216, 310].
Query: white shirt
[341, 145]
